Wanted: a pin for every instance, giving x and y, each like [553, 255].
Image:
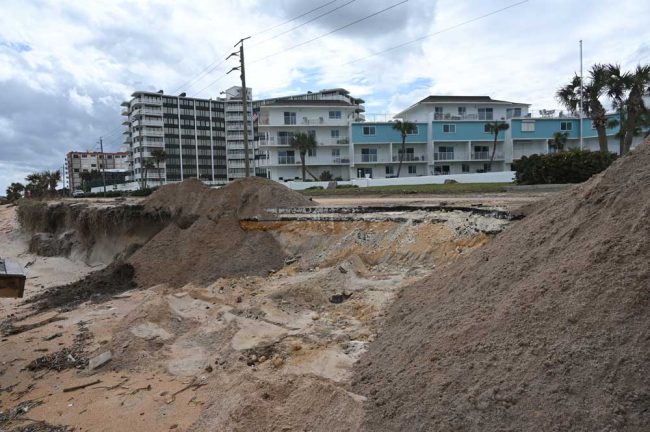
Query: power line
[330, 32]
[294, 18]
[306, 22]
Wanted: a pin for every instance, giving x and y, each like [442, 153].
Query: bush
[315, 188]
[574, 166]
[142, 192]
[346, 186]
[326, 176]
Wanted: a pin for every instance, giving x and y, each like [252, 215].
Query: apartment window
[412, 169]
[389, 170]
[336, 152]
[465, 168]
[485, 113]
[311, 152]
[415, 131]
[462, 110]
[368, 155]
[437, 113]
[368, 130]
[75, 156]
[513, 112]
[335, 114]
[449, 128]
[528, 126]
[290, 118]
[334, 133]
[566, 126]
[486, 128]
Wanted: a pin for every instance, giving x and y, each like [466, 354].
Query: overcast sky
[66, 65]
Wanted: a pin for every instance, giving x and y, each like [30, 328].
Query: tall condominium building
[191, 131]
[77, 163]
[234, 109]
[326, 115]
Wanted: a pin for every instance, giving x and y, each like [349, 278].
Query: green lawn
[453, 188]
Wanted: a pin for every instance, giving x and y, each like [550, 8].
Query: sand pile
[545, 328]
[206, 241]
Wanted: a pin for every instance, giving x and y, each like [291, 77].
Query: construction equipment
[12, 278]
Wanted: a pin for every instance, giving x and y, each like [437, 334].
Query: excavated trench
[293, 332]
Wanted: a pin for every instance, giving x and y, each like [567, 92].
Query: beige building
[77, 163]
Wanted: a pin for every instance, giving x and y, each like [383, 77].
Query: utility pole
[101, 150]
[581, 86]
[244, 96]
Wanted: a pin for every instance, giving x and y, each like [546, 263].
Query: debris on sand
[207, 242]
[68, 357]
[16, 417]
[545, 328]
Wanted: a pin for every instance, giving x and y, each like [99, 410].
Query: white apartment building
[326, 115]
[92, 162]
[234, 117]
[191, 131]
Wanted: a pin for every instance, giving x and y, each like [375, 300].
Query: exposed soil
[206, 242]
[545, 328]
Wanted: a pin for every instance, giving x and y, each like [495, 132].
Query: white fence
[492, 177]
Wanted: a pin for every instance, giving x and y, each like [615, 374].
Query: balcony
[142, 122]
[146, 111]
[485, 155]
[340, 160]
[147, 133]
[286, 160]
[147, 101]
[443, 156]
[411, 158]
[369, 158]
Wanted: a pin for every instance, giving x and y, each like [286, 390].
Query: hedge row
[573, 166]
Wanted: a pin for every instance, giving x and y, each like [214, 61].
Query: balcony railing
[369, 158]
[485, 155]
[339, 160]
[444, 156]
[409, 158]
[286, 160]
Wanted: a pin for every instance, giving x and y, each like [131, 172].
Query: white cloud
[84, 102]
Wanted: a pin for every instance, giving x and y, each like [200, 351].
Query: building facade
[326, 115]
[91, 162]
[191, 131]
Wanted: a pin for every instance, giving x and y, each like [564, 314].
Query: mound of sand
[206, 242]
[546, 328]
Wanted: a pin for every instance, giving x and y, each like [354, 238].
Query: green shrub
[574, 166]
[314, 188]
[346, 186]
[326, 176]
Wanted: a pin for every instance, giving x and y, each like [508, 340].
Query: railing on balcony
[485, 155]
[409, 158]
[286, 160]
[369, 158]
[339, 160]
[444, 156]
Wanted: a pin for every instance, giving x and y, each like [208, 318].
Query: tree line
[38, 185]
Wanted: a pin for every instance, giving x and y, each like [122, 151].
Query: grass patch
[453, 188]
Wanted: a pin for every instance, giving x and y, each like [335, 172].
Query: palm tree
[159, 155]
[494, 128]
[638, 86]
[53, 179]
[618, 84]
[147, 164]
[569, 96]
[302, 143]
[37, 183]
[404, 128]
[85, 178]
[559, 140]
[14, 191]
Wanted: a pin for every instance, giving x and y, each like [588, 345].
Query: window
[513, 112]
[437, 113]
[389, 170]
[465, 168]
[311, 152]
[566, 126]
[412, 169]
[485, 113]
[368, 155]
[335, 114]
[334, 133]
[449, 128]
[462, 110]
[336, 152]
[486, 128]
[290, 118]
[415, 131]
[368, 130]
[528, 126]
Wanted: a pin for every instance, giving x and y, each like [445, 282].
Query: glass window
[462, 110]
[335, 114]
[412, 169]
[566, 126]
[389, 170]
[485, 113]
[368, 130]
[290, 118]
[415, 131]
[449, 128]
[334, 133]
[528, 126]
[465, 168]
[486, 128]
[311, 152]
